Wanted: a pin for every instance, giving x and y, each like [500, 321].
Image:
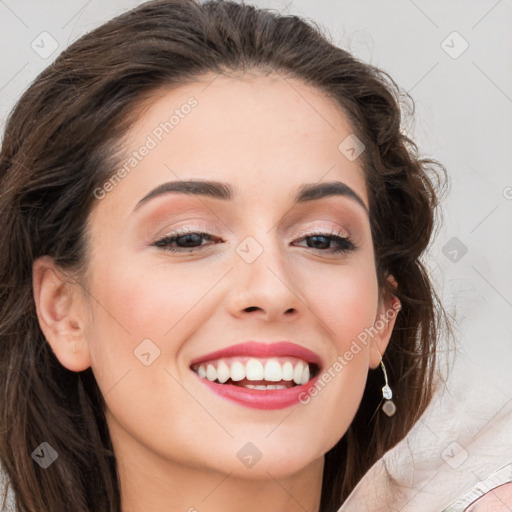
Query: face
[255, 269]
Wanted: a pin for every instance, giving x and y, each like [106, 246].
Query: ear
[387, 311]
[60, 312]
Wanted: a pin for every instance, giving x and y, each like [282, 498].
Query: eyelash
[345, 243]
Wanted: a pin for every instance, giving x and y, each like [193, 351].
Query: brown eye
[183, 242]
[322, 242]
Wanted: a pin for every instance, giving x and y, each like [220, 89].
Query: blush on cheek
[349, 311]
[148, 301]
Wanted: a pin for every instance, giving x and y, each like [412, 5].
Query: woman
[212, 289]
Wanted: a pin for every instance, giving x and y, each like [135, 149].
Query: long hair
[58, 148]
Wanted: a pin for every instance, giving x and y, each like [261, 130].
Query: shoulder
[498, 499]
[494, 494]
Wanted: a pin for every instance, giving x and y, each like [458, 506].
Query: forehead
[264, 134]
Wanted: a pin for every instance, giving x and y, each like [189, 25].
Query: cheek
[344, 298]
[135, 302]
[149, 300]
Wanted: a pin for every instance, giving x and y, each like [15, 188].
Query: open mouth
[258, 373]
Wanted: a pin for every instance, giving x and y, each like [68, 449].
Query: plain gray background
[463, 118]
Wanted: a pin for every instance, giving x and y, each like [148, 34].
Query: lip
[258, 349]
[269, 399]
[261, 399]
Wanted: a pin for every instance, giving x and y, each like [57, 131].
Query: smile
[253, 373]
[261, 376]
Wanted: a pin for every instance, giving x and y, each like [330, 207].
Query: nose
[264, 288]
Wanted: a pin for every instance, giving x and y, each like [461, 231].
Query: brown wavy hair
[59, 146]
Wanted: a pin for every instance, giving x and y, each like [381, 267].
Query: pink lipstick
[259, 375]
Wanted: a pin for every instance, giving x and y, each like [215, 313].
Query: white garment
[9, 502]
[464, 436]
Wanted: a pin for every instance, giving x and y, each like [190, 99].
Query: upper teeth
[272, 370]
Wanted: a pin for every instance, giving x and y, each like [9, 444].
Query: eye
[322, 241]
[185, 240]
[191, 241]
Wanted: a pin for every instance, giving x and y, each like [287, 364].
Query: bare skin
[175, 440]
[497, 500]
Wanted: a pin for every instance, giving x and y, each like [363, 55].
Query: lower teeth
[271, 386]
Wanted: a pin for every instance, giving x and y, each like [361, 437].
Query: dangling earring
[388, 407]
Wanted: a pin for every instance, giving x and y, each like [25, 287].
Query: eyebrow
[224, 191]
